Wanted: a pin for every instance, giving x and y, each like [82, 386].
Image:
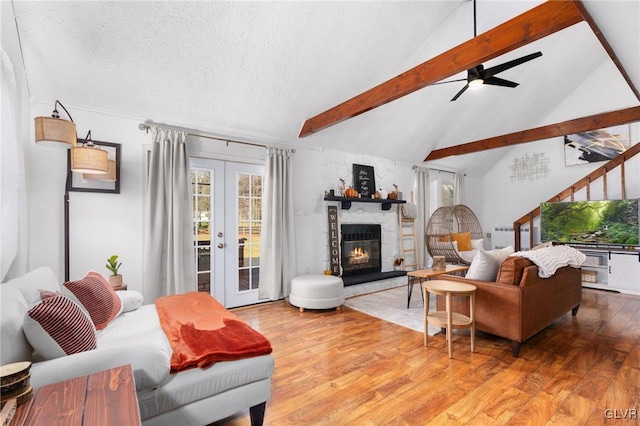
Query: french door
[227, 214]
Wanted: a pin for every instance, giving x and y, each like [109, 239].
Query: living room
[104, 224]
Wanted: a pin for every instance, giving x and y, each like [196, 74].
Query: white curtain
[277, 250]
[422, 203]
[168, 260]
[13, 194]
[458, 189]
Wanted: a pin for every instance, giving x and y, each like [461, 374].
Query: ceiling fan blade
[466, 86]
[448, 81]
[495, 81]
[490, 72]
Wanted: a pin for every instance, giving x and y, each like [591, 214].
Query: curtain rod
[146, 127]
[435, 170]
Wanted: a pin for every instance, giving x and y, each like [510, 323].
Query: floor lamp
[86, 158]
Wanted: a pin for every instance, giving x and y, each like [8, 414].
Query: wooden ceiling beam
[534, 24]
[592, 122]
[607, 47]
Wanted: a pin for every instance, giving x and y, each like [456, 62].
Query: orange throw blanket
[202, 332]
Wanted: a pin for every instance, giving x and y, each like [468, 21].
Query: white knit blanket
[549, 259]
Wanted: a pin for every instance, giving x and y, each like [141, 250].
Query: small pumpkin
[383, 194]
[392, 196]
[351, 193]
[376, 195]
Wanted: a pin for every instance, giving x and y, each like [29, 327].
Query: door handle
[221, 245]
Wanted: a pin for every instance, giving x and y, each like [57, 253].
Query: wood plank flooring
[347, 368]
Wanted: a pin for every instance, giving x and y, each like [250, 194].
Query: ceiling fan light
[58, 132]
[89, 159]
[476, 83]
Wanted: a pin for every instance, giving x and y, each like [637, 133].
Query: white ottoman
[317, 292]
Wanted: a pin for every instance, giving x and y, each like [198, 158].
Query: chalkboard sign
[364, 180]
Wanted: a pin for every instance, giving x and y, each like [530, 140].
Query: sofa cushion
[511, 270]
[484, 267]
[15, 347]
[131, 300]
[33, 281]
[97, 297]
[56, 326]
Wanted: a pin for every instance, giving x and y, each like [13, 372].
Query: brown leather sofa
[520, 303]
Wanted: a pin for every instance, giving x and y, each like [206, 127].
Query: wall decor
[334, 243]
[530, 167]
[364, 180]
[596, 145]
[109, 183]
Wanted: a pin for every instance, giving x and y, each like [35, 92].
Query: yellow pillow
[463, 239]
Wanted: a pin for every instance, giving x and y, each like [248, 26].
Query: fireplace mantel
[346, 202]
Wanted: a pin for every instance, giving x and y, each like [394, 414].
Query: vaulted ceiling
[256, 71]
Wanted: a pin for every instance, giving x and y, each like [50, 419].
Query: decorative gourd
[392, 196]
[376, 195]
[383, 194]
[351, 193]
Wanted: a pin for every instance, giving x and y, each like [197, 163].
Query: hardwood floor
[347, 368]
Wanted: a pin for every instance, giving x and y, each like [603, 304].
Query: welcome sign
[334, 244]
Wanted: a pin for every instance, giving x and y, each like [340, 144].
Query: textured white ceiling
[257, 70]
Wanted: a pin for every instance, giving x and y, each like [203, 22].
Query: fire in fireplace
[361, 251]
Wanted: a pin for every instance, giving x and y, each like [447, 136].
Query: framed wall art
[109, 183]
[596, 145]
[364, 180]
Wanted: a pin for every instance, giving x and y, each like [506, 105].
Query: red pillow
[97, 297]
[56, 326]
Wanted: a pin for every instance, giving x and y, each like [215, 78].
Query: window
[201, 180]
[441, 185]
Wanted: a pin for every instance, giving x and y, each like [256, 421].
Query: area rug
[391, 305]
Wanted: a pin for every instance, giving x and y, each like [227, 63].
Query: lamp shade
[109, 177]
[55, 132]
[89, 159]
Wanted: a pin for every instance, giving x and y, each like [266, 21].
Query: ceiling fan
[478, 76]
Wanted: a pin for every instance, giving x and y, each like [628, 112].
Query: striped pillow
[97, 297]
[56, 326]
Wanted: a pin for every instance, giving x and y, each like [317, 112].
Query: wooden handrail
[585, 182]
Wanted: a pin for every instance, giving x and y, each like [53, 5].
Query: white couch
[191, 397]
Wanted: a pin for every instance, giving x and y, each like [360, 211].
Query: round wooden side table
[447, 318]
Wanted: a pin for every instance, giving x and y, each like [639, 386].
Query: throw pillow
[97, 297]
[501, 254]
[463, 239]
[477, 244]
[512, 269]
[484, 267]
[131, 300]
[56, 326]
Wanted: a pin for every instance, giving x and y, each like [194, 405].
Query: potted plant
[113, 265]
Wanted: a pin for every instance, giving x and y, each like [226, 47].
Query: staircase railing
[585, 182]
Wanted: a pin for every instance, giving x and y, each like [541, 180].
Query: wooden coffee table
[104, 398]
[427, 274]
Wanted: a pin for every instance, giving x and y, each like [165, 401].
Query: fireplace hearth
[361, 249]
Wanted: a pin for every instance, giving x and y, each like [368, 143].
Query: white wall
[101, 224]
